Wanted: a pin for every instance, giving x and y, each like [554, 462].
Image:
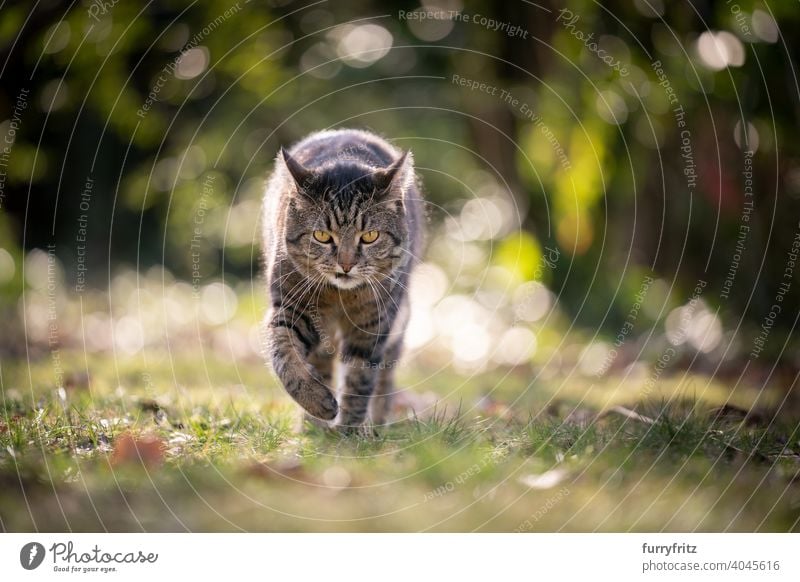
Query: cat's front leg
[322, 360]
[361, 373]
[381, 402]
[293, 338]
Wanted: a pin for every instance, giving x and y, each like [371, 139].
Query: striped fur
[343, 300]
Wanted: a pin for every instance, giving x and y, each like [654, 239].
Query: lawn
[177, 444]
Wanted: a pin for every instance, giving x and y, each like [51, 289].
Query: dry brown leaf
[145, 450]
[77, 381]
[290, 469]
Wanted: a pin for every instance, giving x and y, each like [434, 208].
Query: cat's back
[328, 147]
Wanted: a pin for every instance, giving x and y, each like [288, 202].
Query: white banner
[399, 557]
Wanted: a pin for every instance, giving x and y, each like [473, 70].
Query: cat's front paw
[317, 400]
[365, 430]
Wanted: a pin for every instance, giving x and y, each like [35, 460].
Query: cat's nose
[346, 267]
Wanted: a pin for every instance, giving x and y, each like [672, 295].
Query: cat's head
[346, 222]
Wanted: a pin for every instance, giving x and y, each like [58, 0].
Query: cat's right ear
[395, 177]
[302, 176]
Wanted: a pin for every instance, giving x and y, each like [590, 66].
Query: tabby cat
[342, 231]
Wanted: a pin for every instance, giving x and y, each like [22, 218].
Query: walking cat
[342, 232]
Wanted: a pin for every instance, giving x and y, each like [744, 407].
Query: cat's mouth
[345, 281]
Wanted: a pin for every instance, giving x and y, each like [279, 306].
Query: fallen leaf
[77, 381]
[143, 450]
[546, 480]
[290, 469]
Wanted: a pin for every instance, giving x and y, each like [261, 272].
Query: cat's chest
[337, 306]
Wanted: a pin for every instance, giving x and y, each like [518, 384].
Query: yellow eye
[369, 236]
[322, 236]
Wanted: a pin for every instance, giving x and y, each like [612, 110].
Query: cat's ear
[303, 177]
[395, 178]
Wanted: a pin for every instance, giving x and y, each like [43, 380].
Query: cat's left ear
[302, 176]
[396, 177]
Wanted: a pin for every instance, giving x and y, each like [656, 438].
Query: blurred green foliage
[588, 158]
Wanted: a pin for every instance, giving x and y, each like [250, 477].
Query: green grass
[229, 456]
